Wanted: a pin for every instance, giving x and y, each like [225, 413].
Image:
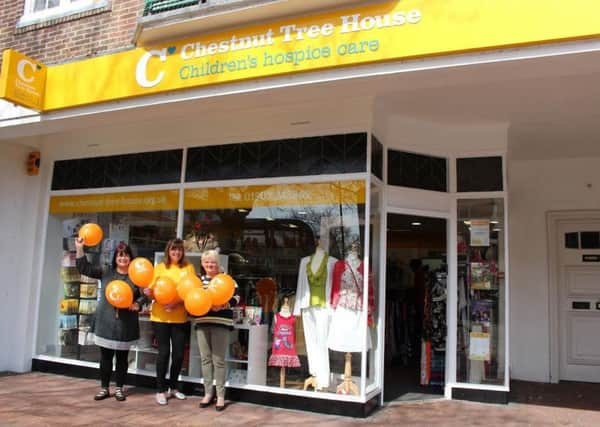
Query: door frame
[554, 219]
[393, 206]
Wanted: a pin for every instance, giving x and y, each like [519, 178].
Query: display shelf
[235, 360]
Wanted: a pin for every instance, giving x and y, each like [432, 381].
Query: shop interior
[415, 328]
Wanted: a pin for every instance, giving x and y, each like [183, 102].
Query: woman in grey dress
[115, 330]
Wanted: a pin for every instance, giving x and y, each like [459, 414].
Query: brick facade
[76, 37]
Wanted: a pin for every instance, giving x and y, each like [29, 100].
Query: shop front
[383, 169]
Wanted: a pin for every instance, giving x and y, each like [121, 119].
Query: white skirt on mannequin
[344, 331]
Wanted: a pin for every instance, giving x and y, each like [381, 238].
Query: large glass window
[143, 220]
[282, 244]
[481, 292]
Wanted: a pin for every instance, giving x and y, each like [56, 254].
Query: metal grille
[158, 6]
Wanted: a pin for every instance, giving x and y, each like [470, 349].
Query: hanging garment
[283, 351]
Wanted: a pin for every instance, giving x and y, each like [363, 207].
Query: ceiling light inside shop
[269, 218]
[416, 223]
[242, 210]
[496, 229]
[467, 222]
[292, 226]
[494, 221]
[301, 212]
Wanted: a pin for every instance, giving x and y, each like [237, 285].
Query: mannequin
[283, 353]
[348, 315]
[312, 303]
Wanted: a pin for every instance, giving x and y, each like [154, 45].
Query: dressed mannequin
[312, 302]
[348, 316]
[283, 353]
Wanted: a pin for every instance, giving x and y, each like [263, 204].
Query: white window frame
[65, 8]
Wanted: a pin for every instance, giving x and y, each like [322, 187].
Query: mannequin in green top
[312, 302]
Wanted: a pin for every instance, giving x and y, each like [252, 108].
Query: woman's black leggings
[106, 366]
[171, 342]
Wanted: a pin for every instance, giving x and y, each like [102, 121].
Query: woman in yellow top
[170, 323]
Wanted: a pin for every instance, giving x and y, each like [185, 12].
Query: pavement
[42, 399]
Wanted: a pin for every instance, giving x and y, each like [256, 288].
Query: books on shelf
[67, 321]
[88, 290]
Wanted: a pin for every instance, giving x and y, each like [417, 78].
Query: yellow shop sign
[328, 193]
[22, 80]
[384, 31]
[116, 202]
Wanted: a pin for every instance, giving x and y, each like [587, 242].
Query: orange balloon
[221, 287]
[91, 234]
[141, 272]
[119, 294]
[198, 301]
[186, 284]
[165, 290]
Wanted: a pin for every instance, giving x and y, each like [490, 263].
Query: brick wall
[76, 38]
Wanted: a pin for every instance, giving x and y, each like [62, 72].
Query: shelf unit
[239, 371]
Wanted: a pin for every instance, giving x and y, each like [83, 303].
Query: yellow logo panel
[22, 80]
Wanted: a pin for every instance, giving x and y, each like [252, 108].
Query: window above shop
[49, 12]
[158, 167]
[479, 174]
[417, 171]
[331, 154]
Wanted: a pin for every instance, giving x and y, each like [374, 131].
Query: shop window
[68, 301]
[332, 154]
[417, 171]
[269, 235]
[159, 167]
[376, 157]
[481, 292]
[54, 11]
[479, 174]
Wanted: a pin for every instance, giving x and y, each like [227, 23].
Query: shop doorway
[415, 331]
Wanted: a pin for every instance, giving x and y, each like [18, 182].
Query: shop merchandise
[283, 353]
[314, 287]
[348, 316]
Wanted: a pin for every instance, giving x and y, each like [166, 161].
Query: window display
[282, 243]
[481, 291]
[143, 220]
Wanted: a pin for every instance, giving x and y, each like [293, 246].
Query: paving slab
[42, 399]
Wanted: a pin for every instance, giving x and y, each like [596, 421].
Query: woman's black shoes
[219, 408]
[207, 404]
[102, 394]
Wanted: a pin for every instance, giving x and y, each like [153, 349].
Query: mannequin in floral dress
[348, 317]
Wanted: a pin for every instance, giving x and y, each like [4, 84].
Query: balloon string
[116, 313]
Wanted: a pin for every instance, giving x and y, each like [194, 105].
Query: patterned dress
[348, 316]
[283, 352]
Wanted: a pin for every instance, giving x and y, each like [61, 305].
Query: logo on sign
[22, 68]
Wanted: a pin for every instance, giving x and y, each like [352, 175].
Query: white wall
[536, 187]
[18, 224]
